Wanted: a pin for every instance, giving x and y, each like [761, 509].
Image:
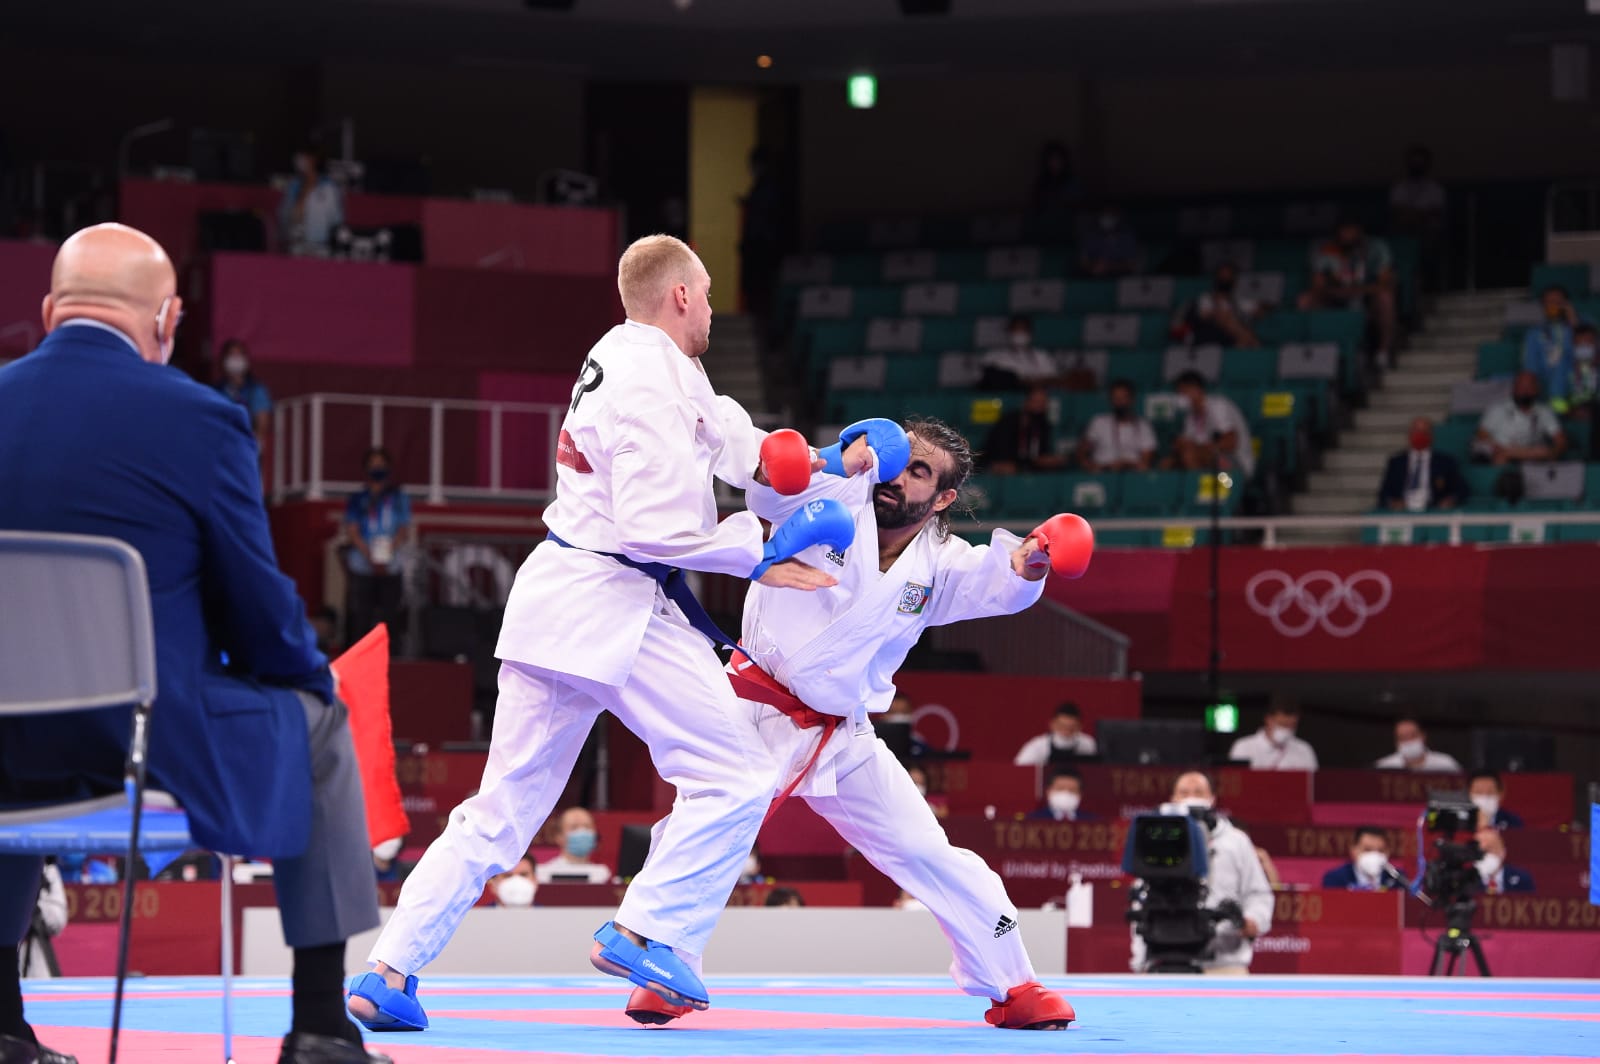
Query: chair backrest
[75, 625]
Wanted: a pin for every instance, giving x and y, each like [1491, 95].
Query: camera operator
[1235, 876]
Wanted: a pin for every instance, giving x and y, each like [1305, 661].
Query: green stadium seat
[946, 334]
[1089, 494]
[1154, 494]
[1573, 276]
[1343, 327]
[1196, 494]
[1141, 368]
[1455, 438]
[1281, 327]
[829, 338]
[911, 373]
[1126, 537]
[1578, 533]
[1090, 297]
[1249, 367]
[1481, 480]
[1497, 358]
[984, 298]
[1058, 330]
[1032, 495]
[1485, 533]
[962, 266]
[985, 494]
[1154, 330]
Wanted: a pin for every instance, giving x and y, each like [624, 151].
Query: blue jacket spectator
[1547, 347]
[1420, 478]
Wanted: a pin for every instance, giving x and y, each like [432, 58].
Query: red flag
[364, 685]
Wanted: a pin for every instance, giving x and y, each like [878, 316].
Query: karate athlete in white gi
[832, 656]
[586, 630]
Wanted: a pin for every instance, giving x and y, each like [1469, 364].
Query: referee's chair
[76, 635]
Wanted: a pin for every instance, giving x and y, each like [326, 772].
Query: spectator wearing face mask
[239, 383]
[1118, 440]
[1519, 429]
[1368, 867]
[1421, 478]
[1065, 739]
[1024, 439]
[515, 889]
[377, 527]
[1497, 876]
[1219, 317]
[1487, 792]
[1214, 432]
[1547, 347]
[1107, 247]
[1063, 793]
[751, 873]
[1411, 751]
[1019, 365]
[1235, 875]
[578, 839]
[1275, 746]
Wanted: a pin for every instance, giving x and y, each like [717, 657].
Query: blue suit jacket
[1444, 475]
[1344, 878]
[1516, 880]
[94, 440]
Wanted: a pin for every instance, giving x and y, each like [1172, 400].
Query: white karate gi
[584, 633]
[837, 650]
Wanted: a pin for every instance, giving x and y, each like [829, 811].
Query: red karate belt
[750, 681]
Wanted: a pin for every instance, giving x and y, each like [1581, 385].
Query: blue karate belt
[676, 587]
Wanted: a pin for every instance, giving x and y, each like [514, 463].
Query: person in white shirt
[1275, 746]
[597, 622]
[1019, 365]
[827, 662]
[578, 838]
[1411, 751]
[1120, 439]
[1066, 736]
[1214, 429]
[1235, 874]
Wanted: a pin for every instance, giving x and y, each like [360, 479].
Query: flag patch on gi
[913, 597]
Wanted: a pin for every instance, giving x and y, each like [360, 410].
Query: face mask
[752, 867]
[1412, 749]
[515, 892]
[1524, 399]
[378, 474]
[1121, 411]
[236, 365]
[1488, 865]
[1583, 352]
[1279, 736]
[1193, 805]
[1021, 339]
[1489, 803]
[1421, 440]
[580, 842]
[1063, 803]
[1371, 863]
[1108, 222]
[1225, 284]
[1552, 311]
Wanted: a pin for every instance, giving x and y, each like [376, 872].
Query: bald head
[663, 283]
[120, 277]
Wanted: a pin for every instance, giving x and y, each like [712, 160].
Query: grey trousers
[325, 895]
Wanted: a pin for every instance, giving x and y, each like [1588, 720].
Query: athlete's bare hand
[797, 575]
[857, 457]
[1029, 562]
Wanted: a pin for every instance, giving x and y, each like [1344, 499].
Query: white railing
[1271, 527]
[300, 464]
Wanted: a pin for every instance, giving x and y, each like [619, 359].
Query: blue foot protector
[398, 1010]
[652, 966]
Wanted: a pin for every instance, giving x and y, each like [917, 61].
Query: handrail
[1271, 526]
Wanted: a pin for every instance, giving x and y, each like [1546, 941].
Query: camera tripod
[1458, 939]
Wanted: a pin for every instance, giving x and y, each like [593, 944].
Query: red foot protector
[786, 461]
[1069, 541]
[1031, 1007]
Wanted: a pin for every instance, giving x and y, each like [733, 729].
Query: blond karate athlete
[586, 630]
[833, 654]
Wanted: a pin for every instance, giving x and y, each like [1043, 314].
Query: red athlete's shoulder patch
[567, 454]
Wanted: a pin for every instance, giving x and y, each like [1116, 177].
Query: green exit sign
[862, 90]
[1222, 717]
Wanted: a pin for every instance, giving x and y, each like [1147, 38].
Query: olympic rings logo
[1340, 605]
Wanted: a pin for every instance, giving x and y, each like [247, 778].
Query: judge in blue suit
[98, 436]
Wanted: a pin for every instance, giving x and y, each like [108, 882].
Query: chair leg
[125, 927]
[227, 957]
